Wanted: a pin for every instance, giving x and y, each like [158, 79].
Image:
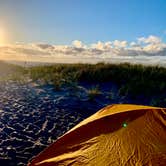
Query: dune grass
[10, 72]
[93, 92]
[131, 79]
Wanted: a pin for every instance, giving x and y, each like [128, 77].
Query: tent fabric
[116, 135]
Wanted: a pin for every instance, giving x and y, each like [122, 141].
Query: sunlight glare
[2, 36]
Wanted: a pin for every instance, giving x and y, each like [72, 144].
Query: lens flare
[124, 124]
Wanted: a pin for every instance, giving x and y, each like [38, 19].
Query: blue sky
[62, 21]
[83, 31]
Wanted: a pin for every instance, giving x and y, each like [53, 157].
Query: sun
[3, 37]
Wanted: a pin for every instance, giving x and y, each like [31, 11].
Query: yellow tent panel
[116, 135]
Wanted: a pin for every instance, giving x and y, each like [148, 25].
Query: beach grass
[93, 92]
[131, 79]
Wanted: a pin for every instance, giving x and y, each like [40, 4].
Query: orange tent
[116, 135]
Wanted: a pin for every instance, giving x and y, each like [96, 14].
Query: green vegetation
[131, 79]
[12, 72]
[93, 92]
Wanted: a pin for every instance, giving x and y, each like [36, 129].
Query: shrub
[58, 81]
[93, 92]
[132, 79]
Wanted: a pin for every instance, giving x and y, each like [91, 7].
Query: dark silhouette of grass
[93, 92]
[12, 72]
[132, 79]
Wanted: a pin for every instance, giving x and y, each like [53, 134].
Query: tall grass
[12, 72]
[93, 92]
[131, 79]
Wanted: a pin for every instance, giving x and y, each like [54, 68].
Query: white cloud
[121, 44]
[134, 44]
[78, 44]
[151, 46]
[150, 39]
[102, 45]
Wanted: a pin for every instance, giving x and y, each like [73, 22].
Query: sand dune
[116, 135]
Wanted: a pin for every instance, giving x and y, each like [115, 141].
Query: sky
[88, 28]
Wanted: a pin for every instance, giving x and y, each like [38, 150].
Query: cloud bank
[149, 49]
